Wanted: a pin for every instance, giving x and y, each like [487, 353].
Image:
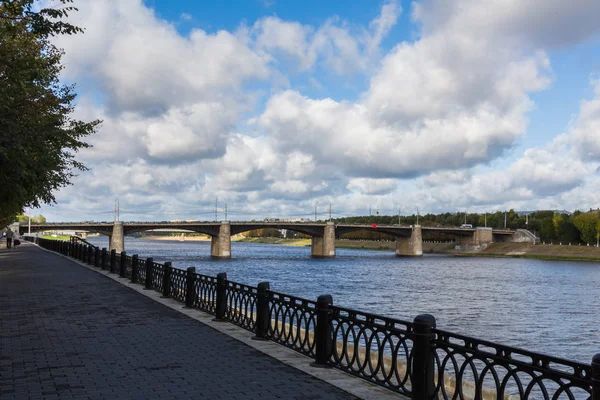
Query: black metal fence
[409, 357]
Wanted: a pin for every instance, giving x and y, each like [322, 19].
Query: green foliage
[38, 135]
[588, 224]
[24, 219]
[548, 225]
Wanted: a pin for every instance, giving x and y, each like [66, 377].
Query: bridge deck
[236, 227]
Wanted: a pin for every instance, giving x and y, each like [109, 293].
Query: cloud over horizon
[275, 115]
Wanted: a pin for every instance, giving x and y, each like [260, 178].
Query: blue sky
[275, 106]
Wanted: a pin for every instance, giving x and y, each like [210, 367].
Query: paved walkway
[68, 332]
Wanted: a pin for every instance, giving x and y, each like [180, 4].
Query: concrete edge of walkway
[344, 381]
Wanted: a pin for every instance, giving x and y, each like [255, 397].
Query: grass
[59, 237]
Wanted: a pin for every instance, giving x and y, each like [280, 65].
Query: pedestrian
[16, 238]
[9, 238]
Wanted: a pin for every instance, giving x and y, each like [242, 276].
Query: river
[552, 307]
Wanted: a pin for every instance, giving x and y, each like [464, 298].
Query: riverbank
[538, 251]
[506, 249]
[428, 247]
[178, 238]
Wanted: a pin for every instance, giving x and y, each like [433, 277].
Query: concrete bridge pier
[410, 246]
[117, 239]
[324, 246]
[220, 245]
[480, 239]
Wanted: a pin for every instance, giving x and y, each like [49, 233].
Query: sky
[272, 108]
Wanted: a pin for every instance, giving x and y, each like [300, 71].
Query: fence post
[149, 265]
[134, 268]
[103, 259]
[596, 377]
[167, 279]
[323, 333]
[221, 305]
[84, 254]
[262, 312]
[422, 377]
[190, 280]
[97, 257]
[113, 261]
[90, 259]
[122, 264]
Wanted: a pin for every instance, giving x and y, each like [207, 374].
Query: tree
[547, 229]
[38, 135]
[24, 219]
[587, 224]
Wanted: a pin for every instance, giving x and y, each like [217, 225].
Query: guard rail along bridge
[409, 238]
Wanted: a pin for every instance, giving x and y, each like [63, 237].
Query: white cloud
[585, 133]
[546, 173]
[448, 101]
[372, 186]
[540, 23]
[437, 111]
[334, 42]
[142, 64]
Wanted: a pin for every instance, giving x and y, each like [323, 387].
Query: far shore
[506, 249]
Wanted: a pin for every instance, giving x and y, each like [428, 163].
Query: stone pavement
[69, 332]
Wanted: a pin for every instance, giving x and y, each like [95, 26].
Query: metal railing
[412, 358]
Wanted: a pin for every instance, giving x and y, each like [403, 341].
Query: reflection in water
[550, 307]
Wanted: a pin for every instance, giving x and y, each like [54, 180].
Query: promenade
[71, 333]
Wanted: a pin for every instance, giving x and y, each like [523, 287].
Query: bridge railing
[412, 358]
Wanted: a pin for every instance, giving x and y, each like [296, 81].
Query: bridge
[409, 238]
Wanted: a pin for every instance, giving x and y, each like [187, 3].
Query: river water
[552, 307]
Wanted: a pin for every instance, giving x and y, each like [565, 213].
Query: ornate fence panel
[468, 368]
[205, 288]
[141, 271]
[128, 266]
[117, 262]
[178, 278]
[372, 347]
[158, 271]
[241, 305]
[293, 322]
